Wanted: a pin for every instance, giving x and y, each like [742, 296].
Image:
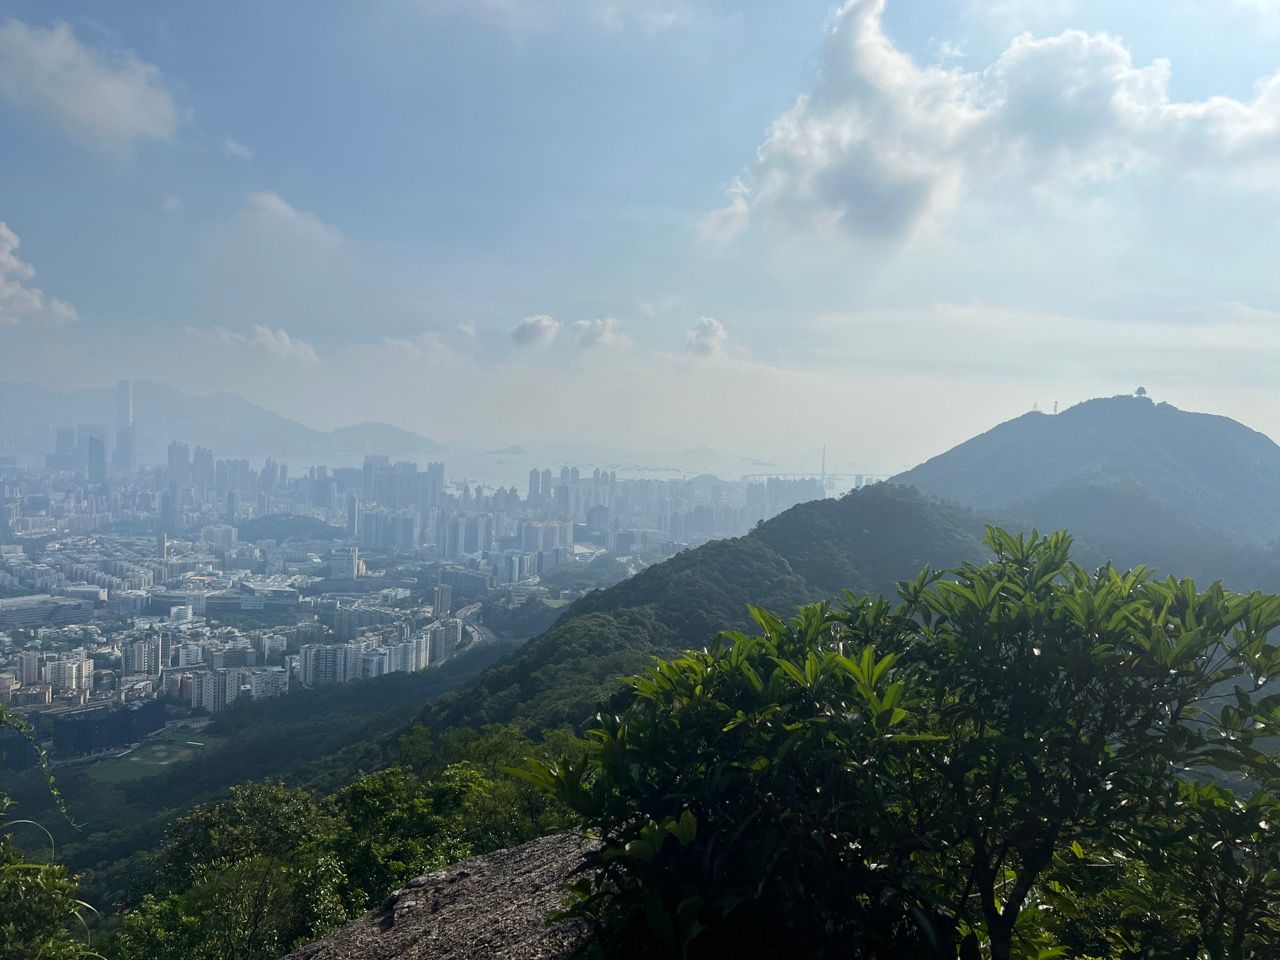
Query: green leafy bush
[982, 767]
[41, 915]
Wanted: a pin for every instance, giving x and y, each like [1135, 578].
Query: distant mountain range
[229, 425]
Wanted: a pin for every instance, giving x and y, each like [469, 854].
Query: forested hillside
[865, 542]
[1208, 472]
[318, 738]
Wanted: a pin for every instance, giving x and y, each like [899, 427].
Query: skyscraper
[444, 600]
[96, 450]
[124, 404]
[353, 516]
[126, 454]
[179, 464]
[203, 470]
[435, 484]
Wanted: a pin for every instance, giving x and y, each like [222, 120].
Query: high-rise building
[124, 404]
[125, 459]
[330, 663]
[140, 657]
[353, 516]
[446, 637]
[96, 460]
[535, 484]
[85, 433]
[214, 690]
[344, 563]
[202, 470]
[444, 600]
[435, 485]
[179, 464]
[30, 667]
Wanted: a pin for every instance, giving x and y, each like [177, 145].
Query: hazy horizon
[649, 226]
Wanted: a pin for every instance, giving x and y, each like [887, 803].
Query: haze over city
[759, 228]
[639, 479]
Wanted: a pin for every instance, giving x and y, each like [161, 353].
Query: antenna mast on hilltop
[824, 466]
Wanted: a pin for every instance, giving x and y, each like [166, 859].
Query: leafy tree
[395, 826]
[247, 877]
[269, 867]
[39, 904]
[264, 819]
[39, 901]
[922, 778]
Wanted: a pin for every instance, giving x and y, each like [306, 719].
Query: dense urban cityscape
[135, 596]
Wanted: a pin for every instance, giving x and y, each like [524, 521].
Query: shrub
[930, 776]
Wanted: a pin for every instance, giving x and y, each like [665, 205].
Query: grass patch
[153, 757]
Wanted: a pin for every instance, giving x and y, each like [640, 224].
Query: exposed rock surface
[495, 906]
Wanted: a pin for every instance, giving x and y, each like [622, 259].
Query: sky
[636, 227]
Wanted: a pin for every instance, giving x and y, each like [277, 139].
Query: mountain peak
[1210, 470]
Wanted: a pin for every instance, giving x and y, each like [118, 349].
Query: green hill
[1209, 471]
[865, 542]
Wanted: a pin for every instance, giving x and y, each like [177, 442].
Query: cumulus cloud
[275, 343]
[883, 146]
[722, 225]
[427, 345]
[19, 300]
[601, 332]
[536, 329]
[707, 338]
[104, 98]
[236, 150]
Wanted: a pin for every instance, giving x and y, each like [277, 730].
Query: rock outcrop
[493, 907]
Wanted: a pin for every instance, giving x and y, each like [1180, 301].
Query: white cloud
[536, 329]
[104, 98]
[725, 224]
[707, 338]
[272, 211]
[276, 343]
[883, 146]
[427, 345]
[601, 332]
[236, 150]
[19, 300]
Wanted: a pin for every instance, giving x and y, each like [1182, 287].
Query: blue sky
[646, 225]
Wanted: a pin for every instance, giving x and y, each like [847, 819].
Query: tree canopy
[1018, 758]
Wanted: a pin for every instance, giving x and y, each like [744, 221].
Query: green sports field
[155, 756]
